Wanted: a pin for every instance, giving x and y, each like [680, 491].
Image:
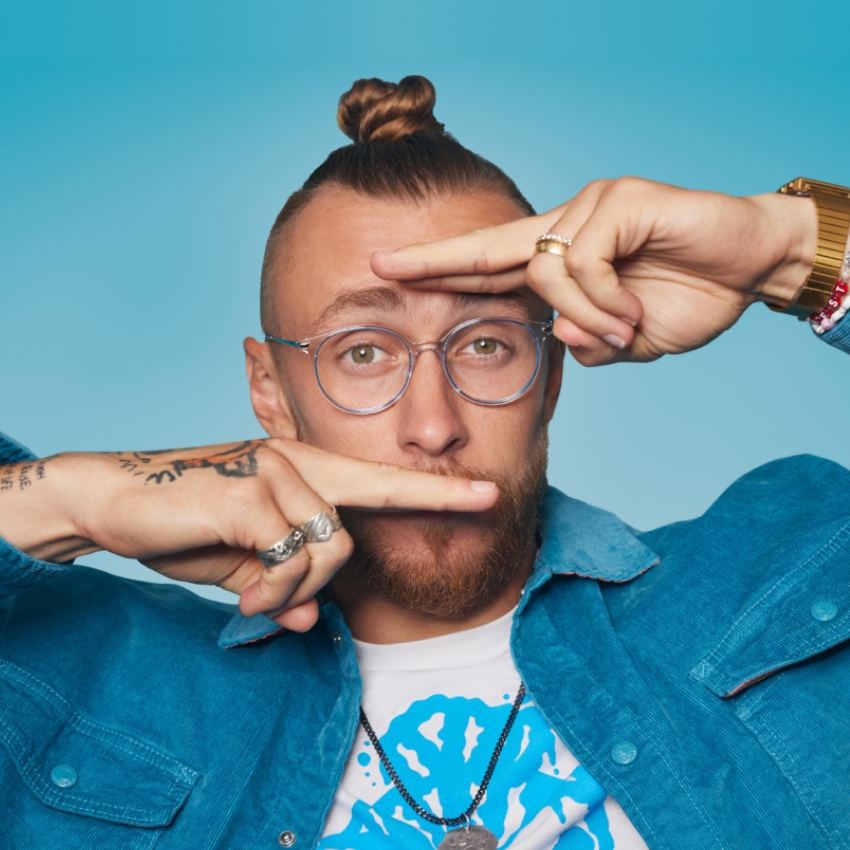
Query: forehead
[325, 255]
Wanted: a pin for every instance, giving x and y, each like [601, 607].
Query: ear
[268, 399]
[555, 351]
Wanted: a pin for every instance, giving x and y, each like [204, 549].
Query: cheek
[500, 438]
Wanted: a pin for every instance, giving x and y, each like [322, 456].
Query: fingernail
[628, 321]
[482, 486]
[613, 339]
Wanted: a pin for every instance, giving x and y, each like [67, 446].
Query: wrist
[790, 235]
[37, 514]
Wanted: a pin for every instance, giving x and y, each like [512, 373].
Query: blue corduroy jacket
[701, 672]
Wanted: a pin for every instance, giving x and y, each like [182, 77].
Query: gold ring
[552, 243]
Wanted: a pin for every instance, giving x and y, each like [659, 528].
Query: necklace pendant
[469, 838]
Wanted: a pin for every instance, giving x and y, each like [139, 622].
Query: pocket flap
[97, 771]
[802, 613]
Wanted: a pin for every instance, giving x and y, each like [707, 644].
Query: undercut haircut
[399, 152]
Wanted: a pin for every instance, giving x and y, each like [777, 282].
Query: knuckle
[578, 262]
[275, 465]
[344, 545]
[628, 184]
[597, 187]
[536, 273]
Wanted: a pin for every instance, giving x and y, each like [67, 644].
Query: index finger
[348, 481]
[485, 251]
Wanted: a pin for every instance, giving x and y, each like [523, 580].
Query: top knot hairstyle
[400, 152]
[374, 110]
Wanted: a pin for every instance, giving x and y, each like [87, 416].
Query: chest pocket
[783, 667]
[67, 781]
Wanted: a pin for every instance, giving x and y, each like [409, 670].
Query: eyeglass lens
[489, 362]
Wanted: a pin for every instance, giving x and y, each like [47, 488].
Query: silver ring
[319, 528]
[284, 549]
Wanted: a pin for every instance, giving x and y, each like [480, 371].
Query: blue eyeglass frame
[540, 330]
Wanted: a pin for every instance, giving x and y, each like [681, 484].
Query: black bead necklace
[482, 788]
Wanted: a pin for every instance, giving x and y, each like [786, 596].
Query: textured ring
[284, 549]
[552, 243]
[319, 528]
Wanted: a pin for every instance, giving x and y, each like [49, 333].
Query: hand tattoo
[237, 462]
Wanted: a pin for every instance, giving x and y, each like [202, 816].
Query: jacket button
[286, 838]
[824, 610]
[337, 638]
[64, 776]
[624, 753]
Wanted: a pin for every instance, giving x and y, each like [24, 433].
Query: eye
[363, 355]
[485, 345]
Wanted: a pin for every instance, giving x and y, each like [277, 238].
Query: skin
[431, 426]
[653, 270]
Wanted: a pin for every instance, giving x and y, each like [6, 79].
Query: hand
[653, 269]
[200, 515]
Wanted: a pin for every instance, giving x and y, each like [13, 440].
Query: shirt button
[286, 838]
[824, 610]
[624, 753]
[64, 776]
[337, 639]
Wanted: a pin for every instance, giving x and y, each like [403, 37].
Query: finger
[548, 277]
[484, 251]
[276, 585]
[341, 480]
[589, 259]
[584, 347]
[481, 284]
[572, 335]
[326, 557]
[301, 618]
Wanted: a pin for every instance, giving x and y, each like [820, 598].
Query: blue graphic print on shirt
[441, 747]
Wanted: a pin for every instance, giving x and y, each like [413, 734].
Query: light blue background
[145, 150]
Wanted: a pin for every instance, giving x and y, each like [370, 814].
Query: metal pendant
[469, 838]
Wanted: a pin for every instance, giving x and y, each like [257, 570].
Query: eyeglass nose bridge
[414, 350]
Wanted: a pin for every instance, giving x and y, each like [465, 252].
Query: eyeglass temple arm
[302, 346]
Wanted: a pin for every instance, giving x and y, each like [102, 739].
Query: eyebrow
[387, 300]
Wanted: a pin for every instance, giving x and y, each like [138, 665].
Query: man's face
[325, 282]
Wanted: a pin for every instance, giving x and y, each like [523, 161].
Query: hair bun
[375, 109]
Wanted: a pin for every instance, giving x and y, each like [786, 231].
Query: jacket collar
[578, 539]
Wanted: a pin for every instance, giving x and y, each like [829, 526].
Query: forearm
[36, 509]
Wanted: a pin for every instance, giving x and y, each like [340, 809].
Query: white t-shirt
[438, 707]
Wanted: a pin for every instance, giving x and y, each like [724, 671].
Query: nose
[431, 423]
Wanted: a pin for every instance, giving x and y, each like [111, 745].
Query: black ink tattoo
[20, 476]
[238, 462]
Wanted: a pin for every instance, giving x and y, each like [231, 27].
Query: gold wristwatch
[833, 208]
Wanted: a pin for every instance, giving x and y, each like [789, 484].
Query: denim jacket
[700, 672]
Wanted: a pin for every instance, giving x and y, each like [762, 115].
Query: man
[469, 668]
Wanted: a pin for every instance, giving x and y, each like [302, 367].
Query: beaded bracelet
[837, 306]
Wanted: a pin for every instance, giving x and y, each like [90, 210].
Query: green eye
[484, 346]
[363, 354]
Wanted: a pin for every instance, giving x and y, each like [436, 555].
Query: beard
[446, 579]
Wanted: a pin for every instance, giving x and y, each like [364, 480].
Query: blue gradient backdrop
[145, 151]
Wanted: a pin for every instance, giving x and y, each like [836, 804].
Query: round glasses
[366, 369]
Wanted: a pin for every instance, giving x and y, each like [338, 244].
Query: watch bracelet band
[833, 210]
